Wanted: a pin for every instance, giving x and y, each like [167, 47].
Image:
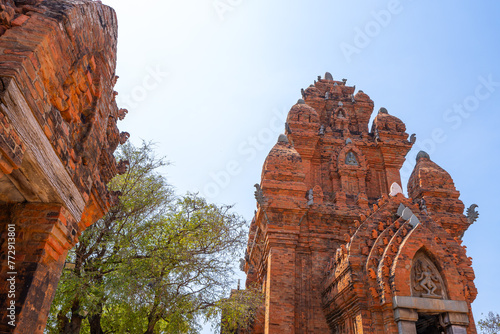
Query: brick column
[280, 291]
[41, 235]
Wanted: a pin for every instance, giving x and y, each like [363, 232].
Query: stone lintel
[430, 305]
[44, 165]
[451, 318]
[405, 314]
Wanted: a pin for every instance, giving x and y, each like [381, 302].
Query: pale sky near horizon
[211, 81]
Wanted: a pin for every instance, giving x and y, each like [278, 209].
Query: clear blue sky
[211, 82]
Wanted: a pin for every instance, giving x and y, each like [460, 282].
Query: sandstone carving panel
[425, 279]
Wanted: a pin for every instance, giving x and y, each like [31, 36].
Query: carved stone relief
[350, 159]
[426, 281]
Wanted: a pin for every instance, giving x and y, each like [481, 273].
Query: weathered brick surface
[434, 186]
[65, 69]
[58, 132]
[327, 245]
[45, 232]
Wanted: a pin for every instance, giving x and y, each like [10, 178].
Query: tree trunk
[95, 324]
[151, 326]
[62, 322]
[74, 324]
[152, 320]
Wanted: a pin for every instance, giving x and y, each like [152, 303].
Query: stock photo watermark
[247, 151]
[222, 7]
[454, 117]
[363, 36]
[12, 274]
[151, 81]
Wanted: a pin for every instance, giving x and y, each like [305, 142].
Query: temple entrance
[429, 324]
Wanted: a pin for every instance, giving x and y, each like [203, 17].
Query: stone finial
[122, 113]
[319, 77]
[283, 139]
[413, 138]
[423, 205]
[301, 101]
[395, 189]
[401, 208]
[423, 154]
[407, 213]
[414, 221]
[328, 76]
[344, 81]
[287, 128]
[472, 214]
[259, 194]
[303, 92]
[124, 137]
[321, 131]
[310, 197]
[383, 111]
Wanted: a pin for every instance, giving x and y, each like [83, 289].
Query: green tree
[490, 324]
[238, 312]
[155, 263]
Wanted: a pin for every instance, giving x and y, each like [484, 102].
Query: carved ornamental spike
[259, 195]
[472, 214]
[321, 131]
[310, 197]
[413, 138]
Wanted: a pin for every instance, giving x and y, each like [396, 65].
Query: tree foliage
[154, 264]
[490, 324]
[239, 310]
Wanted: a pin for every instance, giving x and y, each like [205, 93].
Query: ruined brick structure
[335, 245]
[58, 133]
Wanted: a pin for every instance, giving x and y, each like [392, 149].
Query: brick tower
[335, 245]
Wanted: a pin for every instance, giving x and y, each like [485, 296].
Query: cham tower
[335, 245]
[58, 132]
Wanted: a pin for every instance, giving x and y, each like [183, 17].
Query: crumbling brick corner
[58, 132]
